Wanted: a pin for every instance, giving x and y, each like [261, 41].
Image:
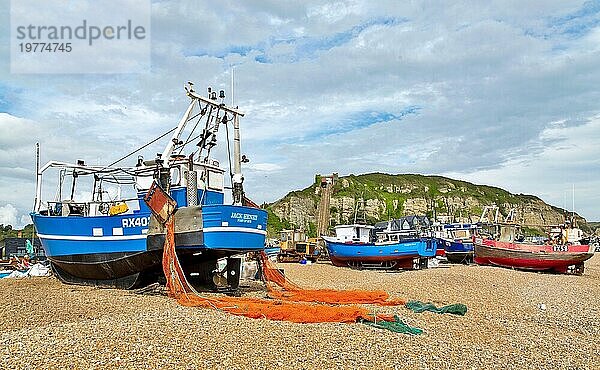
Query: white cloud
[8, 215]
[570, 157]
[24, 220]
[266, 167]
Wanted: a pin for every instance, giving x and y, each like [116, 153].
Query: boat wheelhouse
[456, 239]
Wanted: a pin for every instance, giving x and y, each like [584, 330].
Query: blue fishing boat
[272, 248]
[457, 241]
[112, 239]
[388, 245]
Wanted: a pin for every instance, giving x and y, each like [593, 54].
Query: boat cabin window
[345, 233]
[459, 234]
[215, 180]
[144, 182]
[175, 176]
[364, 234]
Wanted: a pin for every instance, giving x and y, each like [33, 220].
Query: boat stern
[234, 228]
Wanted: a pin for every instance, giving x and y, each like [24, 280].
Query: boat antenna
[573, 220]
[565, 212]
[38, 179]
[232, 85]
[238, 177]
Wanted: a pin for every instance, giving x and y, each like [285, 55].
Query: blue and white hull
[118, 250]
[405, 254]
[458, 251]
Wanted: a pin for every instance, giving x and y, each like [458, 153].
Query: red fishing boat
[564, 251]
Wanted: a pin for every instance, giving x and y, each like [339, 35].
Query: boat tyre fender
[103, 208]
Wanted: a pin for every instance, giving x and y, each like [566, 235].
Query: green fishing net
[397, 326]
[418, 307]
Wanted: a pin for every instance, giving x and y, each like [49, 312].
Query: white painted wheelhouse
[353, 233]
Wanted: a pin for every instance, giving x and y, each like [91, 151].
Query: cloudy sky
[505, 93]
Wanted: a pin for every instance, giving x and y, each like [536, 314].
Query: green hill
[388, 196]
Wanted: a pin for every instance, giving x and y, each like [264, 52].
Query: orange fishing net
[300, 312]
[281, 287]
[289, 303]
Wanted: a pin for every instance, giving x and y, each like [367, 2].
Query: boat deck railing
[86, 209]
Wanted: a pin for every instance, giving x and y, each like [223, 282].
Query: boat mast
[38, 180]
[573, 217]
[166, 154]
[238, 178]
[232, 86]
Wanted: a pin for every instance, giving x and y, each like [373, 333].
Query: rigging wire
[195, 137]
[201, 114]
[215, 128]
[140, 148]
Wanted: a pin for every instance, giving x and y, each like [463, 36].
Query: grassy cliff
[388, 196]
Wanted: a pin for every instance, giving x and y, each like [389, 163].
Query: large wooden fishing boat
[564, 251]
[112, 239]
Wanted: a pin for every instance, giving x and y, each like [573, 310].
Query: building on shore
[17, 247]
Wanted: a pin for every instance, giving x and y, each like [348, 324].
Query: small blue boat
[5, 273]
[112, 239]
[272, 251]
[383, 246]
[457, 241]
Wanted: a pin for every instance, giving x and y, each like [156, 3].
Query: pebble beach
[515, 320]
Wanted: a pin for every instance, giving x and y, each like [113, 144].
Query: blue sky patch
[360, 120]
[301, 47]
[308, 47]
[6, 101]
[241, 50]
[578, 23]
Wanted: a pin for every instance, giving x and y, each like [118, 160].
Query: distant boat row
[409, 242]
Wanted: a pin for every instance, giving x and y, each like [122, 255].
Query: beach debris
[37, 270]
[152, 289]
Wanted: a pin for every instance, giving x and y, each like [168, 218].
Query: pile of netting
[288, 301]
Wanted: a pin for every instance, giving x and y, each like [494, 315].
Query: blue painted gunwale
[226, 227]
[424, 247]
[457, 246]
